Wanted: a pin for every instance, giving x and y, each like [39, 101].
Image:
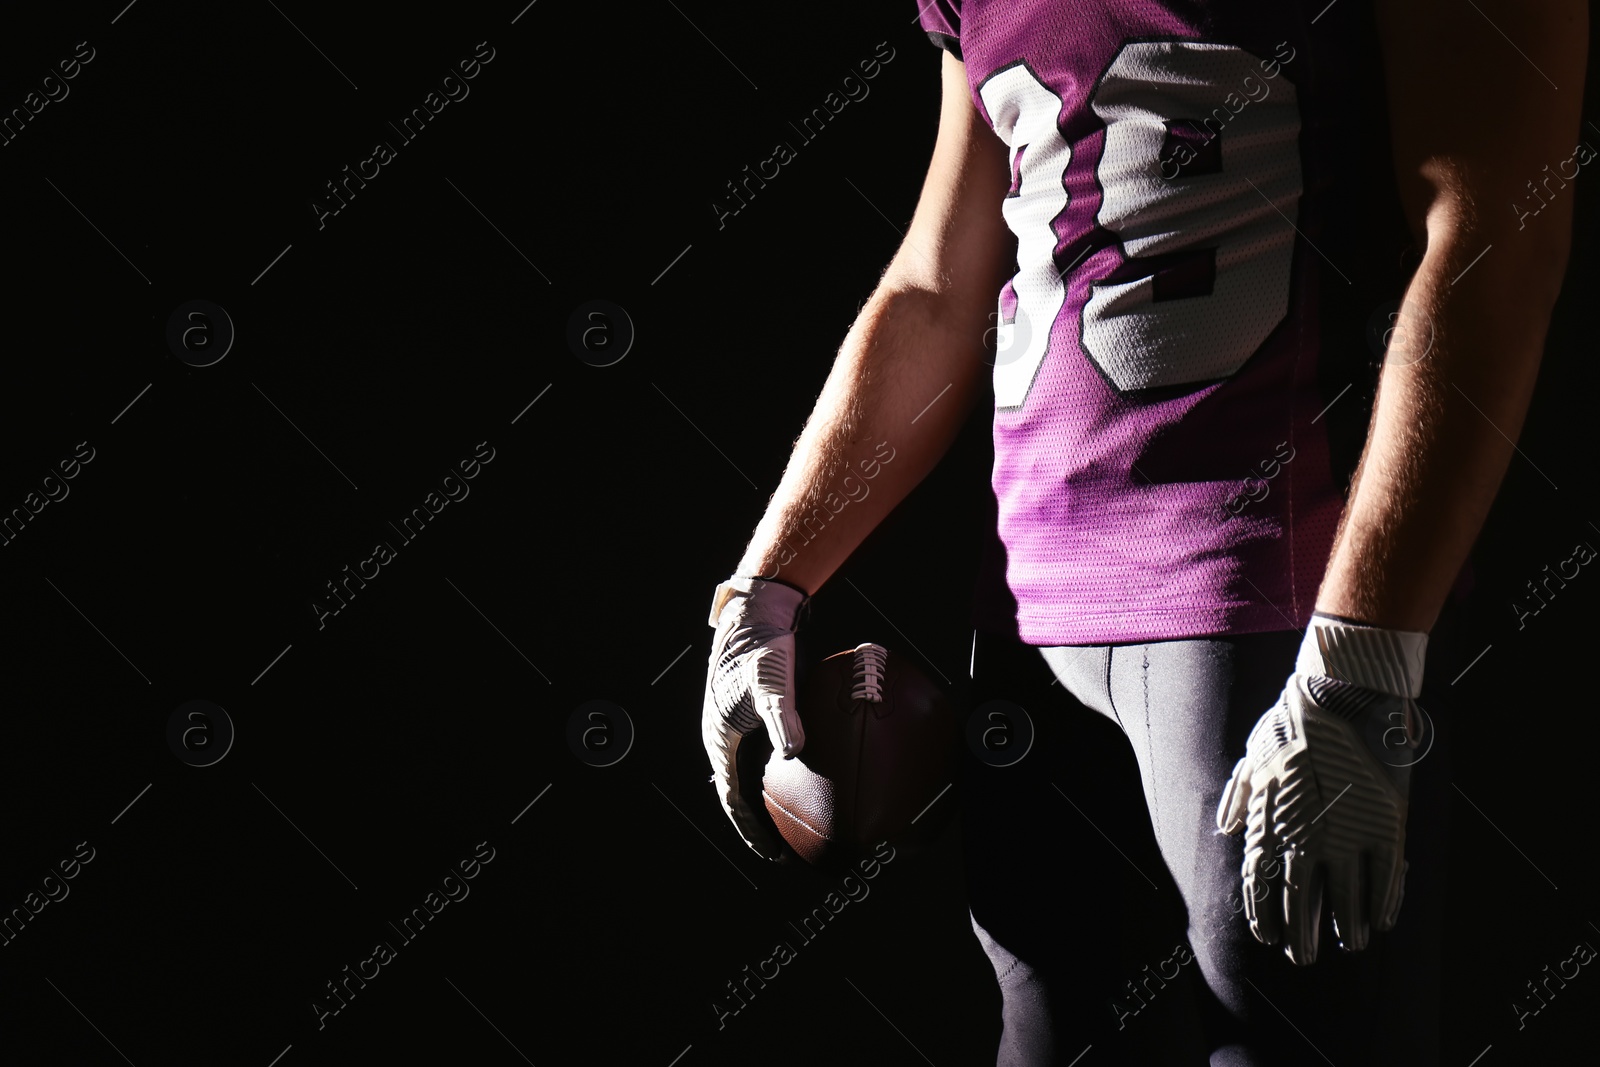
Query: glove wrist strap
[778, 602]
[1386, 661]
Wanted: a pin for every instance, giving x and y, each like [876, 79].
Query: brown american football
[880, 749]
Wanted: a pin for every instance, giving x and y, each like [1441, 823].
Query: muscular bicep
[958, 245]
[1483, 98]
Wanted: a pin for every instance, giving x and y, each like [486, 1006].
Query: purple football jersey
[1206, 224]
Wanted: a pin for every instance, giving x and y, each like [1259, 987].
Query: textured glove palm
[750, 683]
[1322, 791]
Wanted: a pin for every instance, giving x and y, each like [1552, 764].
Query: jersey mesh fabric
[1215, 180]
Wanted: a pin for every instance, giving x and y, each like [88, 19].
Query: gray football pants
[1116, 928]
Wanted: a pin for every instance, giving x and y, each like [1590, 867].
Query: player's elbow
[928, 333]
[1526, 241]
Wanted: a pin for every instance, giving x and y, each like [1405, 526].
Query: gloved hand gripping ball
[750, 683]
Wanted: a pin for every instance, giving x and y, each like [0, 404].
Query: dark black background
[416, 724]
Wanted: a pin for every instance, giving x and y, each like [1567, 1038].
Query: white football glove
[1324, 785]
[750, 684]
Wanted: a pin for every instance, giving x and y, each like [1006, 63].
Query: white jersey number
[1243, 214]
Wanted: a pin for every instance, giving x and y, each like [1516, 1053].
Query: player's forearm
[1444, 423]
[904, 383]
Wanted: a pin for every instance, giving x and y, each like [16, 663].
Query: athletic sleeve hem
[948, 43]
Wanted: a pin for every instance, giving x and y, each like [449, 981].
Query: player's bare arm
[920, 335]
[921, 331]
[1444, 424]
[1451, 401]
